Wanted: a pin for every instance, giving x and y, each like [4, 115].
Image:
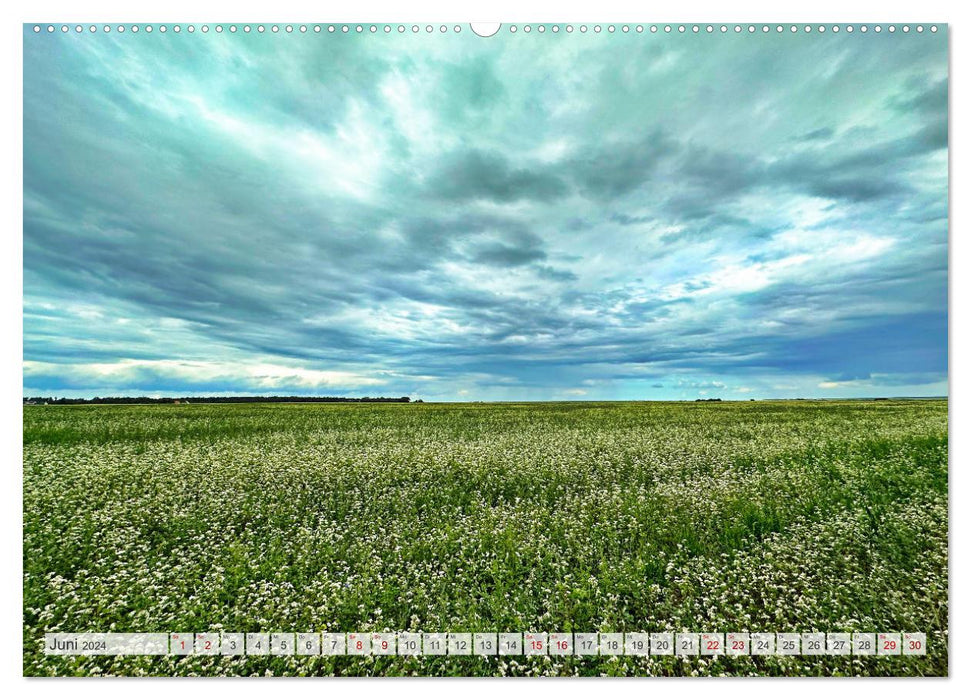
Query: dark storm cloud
[501, 255]
[608, 171]
[821, 134]
[923, 95]
[481, 175]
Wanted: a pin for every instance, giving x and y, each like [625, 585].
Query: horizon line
[251, 398]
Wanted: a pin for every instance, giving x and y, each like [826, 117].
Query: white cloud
[258, 375]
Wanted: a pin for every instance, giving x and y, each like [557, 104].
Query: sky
[521, 217]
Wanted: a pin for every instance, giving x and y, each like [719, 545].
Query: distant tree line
[215, 399]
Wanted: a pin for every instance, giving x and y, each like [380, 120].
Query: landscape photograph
[568, 350]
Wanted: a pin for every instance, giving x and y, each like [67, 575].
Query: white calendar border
[507, 10]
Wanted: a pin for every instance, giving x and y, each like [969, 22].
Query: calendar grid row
[683, 644]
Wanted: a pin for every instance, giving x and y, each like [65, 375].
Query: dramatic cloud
[556, 216]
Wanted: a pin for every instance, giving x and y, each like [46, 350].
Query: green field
[750, 516]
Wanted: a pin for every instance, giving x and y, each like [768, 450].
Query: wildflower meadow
[788, 516]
